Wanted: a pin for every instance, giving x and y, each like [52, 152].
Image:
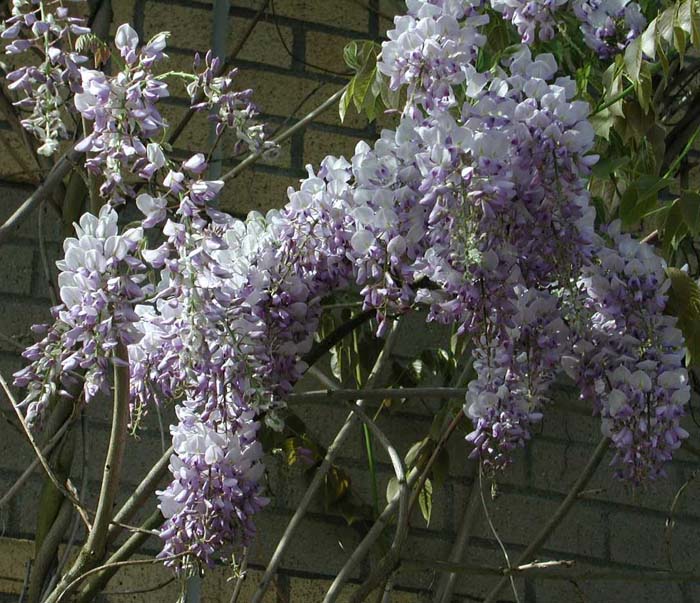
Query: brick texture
[291, 62]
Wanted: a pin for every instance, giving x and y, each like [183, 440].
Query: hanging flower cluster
[509, 221]
[607, 25]
[629, 359]
[101, 279]
[475, 206]
[226, 107]
[45, 87]
[123, 112]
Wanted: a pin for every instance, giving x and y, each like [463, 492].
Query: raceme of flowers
[476, 208]
[45, 87]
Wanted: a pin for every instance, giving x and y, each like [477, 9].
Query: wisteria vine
[475, 206]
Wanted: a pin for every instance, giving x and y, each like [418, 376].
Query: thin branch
[378, 394]
[300, 125]
[447, 581]
[651, 237]
[402, 522]
[383, 520]
[46, 553]
[559, 514]
[54, 179]
[42, 459]
[94, 547]
[558, 570]
[118, 564]
[494, 531]
[241, 577]
[334, 338]
[97, 582]
[433, 458]
[670, 521]
[175, 133]
[140, 495]
[26, 474]
[112, 468]
[323, 468]
[139, 591]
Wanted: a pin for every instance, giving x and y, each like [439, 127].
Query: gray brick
[624, 592]
[319, 547]
[641, 539]
[17, 263]
[518, 518]
[477, 586]
[13, 196]
[17, 318]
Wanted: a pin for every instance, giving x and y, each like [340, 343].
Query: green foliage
[368, 90]
[425, 501]
[671, 30]
[640, 198]
[684, 302]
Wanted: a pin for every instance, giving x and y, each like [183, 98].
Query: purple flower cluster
[514, 372]
[45, 87]
[124, 116]
[475, 206]
[628, 359]
[506, 221]
[227, 108]
[533, 18]
[609, 25]
[101, 280]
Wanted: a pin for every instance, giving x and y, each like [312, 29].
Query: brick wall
[611, 527]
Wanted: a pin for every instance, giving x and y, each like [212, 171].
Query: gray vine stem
[557, 570]
[401, 522]
[98, 580]
[447, 581]
[54, 179]
[94, 547]
[140, 495]
[324, 467]
[379, 394]
[34, 464]
[558, 516]
[62, 488]
[362, 549]
[301, 124]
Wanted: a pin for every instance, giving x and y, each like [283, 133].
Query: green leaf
[690, 209]
[362, 85]
[602, 123]
[392, 489]
[345, 101]
[417, 453]
[644, 87]
[608, 166]
[675, 228]
[350, 55]
[641, 197]
[336, 486]
[684, 303]
[441, 467]
[425, 501]
[633, 58]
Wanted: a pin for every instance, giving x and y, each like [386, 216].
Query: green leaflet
[684, 303]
